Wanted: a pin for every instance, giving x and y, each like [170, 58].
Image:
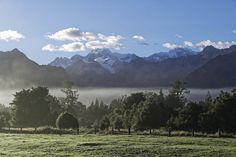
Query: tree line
[138, 111]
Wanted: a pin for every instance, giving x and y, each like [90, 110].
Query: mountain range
[209, 68]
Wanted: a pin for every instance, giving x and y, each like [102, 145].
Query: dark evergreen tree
[129, 108]
[188, 117]
[31, 107]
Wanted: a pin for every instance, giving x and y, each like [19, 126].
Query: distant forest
[35, 107]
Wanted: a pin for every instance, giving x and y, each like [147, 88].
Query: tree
[95, 126]
[5, 116]
[67, 121]
[188, 117]
[55, 108]
[219, 114]
[129, 107]
[4, 119]
[71, 98]
[116, 113]
[174, 101]
[105, 123]
[96, 111]
[152, 114]
[207, 119]
[225, 110]
[176, 97]
[31, 107]
[161, 97]
[116, 122]
[71, 103]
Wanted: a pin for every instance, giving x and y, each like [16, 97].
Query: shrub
[67, 121]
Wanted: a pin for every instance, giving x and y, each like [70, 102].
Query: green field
[114, 145]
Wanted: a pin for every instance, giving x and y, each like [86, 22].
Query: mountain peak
[179, 52]
[61, 62]
[15, 50]
[210, 52]
[174, 53]
[209, 48]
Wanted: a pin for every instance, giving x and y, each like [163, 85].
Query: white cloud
[81, 41]
[217, 44]
[97, 44]
[71, 34]
[178, 36]
[188, 44]
[10, 35]
[234, 31]
[200, 45]
[138, 38]
[71, 47]
[50, 47]
[171, 46]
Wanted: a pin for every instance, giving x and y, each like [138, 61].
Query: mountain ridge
[103, 68]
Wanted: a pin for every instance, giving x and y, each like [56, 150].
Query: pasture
[114, 145]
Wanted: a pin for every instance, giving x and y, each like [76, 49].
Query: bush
[67, 121]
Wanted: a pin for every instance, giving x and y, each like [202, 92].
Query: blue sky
[46, 29]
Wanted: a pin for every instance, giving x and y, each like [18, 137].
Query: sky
[47, 29]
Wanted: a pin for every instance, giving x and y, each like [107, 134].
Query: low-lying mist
[86, 95]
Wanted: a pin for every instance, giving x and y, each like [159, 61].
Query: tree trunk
[35, 130]
[193, 132]
[150, 131]
[169, 132]
[129, 131]
[95, 130]
[77, 131]
[112, 130]
[219, 132]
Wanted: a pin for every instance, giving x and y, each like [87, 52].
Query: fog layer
[86, 95]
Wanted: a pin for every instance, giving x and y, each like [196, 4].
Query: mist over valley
[87, 95]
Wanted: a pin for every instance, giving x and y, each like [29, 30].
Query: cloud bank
[200, 45]
[11, 35]
[82, 41]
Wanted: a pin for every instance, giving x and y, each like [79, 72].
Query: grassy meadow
[114, 145]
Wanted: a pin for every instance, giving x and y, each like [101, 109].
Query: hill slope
[16, 70]
[218, 72]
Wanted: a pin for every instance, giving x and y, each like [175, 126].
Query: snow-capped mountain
[107, 59]
[61, 62]
[104, 57]
[175, 53]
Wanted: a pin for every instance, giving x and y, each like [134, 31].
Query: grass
[114, 146]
